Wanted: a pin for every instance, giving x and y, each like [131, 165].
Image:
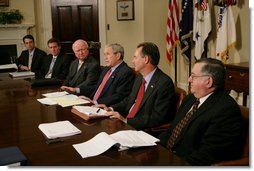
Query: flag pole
[175, 66]
[189, 74]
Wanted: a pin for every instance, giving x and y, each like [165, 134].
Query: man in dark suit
[30, 59]
[116, 80]
[84, 71]
[152, 100]
[56, 64]
[213, 132]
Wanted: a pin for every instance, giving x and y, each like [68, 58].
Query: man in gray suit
[84, 71]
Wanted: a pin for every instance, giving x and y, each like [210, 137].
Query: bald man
[84, 71]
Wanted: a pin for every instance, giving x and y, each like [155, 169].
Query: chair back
[180, 95]
[244, 159]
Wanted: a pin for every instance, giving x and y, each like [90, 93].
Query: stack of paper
[55, 94]
[8, 66]
[24, 74]
[63, 99]
[58, 129]
[123, 139]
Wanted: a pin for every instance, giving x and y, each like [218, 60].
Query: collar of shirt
[114, 68]
[80, 62]
[55, 57]
[149, 77]
[31, 53]
[203, 99]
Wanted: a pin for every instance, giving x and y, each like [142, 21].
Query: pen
[49, 141]
[98, 110]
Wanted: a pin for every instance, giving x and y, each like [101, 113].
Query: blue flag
[186, 27]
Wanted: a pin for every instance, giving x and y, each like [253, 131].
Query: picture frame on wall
[125, 10]
[4, 3]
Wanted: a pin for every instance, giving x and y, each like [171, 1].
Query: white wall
[149, 25]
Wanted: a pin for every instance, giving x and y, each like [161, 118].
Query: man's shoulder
[124, 67]
[39, 51]
[163, 76]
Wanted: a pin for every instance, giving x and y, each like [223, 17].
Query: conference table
[21, 114]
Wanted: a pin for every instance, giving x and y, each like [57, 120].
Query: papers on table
[23, 74]
[55, 94]
[90, 110]
[8, 66]
[63, 99]
[47, 101]
[123, 139]
[58, 129]
[87, 112]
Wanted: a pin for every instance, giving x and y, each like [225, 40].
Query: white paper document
[58, 129]
[8, 66]
[90, 110]
[25, 74]
[123, 139]
[69, 100]
[63, 99]
[46, 101]
[55, 94]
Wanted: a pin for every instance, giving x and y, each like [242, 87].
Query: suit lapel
[77, 73]
[209, 103]
[150, 88]
[112, 77]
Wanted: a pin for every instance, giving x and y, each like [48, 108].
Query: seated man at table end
[152, 100]
[31, 58]
[212, 132]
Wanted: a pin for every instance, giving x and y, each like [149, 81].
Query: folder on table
[12, 156]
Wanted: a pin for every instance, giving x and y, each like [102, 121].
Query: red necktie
[138, 100]
[178, 129]
[99, 90]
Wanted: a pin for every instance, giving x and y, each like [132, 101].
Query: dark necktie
[105, 79]
[138, 100]
[177, 130]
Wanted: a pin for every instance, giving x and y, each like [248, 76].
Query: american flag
[172, 28]
[203, 4]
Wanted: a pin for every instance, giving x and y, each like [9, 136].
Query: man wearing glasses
[207, 126]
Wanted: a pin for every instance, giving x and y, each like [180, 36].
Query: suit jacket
[157, 106]
[212, 134]
[117, 87]
[36, 62]
[87, 75]
[60, 68]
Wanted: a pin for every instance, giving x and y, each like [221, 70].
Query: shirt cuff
[77, 90]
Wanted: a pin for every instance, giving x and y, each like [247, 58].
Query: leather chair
[180, 95]
[244, 159]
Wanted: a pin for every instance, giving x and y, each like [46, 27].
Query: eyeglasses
[192, 77]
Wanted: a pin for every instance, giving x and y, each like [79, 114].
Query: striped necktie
[179, 127]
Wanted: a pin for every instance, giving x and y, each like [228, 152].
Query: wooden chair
[180, 95]
[244, 159]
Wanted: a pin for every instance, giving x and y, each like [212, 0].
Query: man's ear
[210, 82]
[147, 59]
[118, 56]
